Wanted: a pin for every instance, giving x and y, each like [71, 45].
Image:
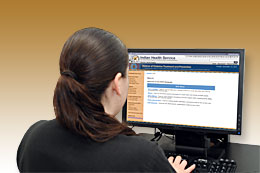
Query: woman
[86, 136]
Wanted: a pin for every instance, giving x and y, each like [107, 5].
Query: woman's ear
[116, 83]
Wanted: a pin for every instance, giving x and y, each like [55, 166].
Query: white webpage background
[221, 113]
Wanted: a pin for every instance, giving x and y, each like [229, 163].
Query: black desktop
[193, 94]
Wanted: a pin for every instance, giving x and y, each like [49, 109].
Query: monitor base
[199, 144]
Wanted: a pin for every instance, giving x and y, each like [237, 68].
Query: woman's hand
[179, 166]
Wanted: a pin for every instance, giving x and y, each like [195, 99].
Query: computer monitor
[194, 90]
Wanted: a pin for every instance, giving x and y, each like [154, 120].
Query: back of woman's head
[89, 61]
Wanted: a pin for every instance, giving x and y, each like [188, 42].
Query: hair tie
[69, 74]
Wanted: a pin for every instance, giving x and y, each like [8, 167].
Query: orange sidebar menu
[135, 96]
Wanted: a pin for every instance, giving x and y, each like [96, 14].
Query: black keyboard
[207, 164]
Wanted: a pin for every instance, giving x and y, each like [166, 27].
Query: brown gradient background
[32, 34]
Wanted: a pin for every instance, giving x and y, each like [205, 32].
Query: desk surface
[246, 156]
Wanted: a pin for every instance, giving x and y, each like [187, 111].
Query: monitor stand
[199, 144]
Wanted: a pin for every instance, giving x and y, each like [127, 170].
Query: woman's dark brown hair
[89, 61]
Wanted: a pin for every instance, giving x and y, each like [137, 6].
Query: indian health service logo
[134, 59]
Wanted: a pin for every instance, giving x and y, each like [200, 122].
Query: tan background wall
[32, 34]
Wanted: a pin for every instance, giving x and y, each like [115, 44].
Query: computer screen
[186, 89]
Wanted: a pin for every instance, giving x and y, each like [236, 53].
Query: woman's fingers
[179, 165]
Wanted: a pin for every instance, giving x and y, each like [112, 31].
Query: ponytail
[79, 111]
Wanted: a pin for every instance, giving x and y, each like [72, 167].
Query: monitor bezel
[189, 128]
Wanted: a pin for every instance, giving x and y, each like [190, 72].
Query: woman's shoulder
[41, 124]
[35, 127]
[30, 138]
[40, 127]
[34, 132]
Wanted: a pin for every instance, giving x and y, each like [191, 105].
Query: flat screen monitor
[186, 89]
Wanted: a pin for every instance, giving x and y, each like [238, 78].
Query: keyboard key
[206, 164]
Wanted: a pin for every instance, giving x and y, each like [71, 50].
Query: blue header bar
[193, 53]
[184, 67]
[176, 86]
